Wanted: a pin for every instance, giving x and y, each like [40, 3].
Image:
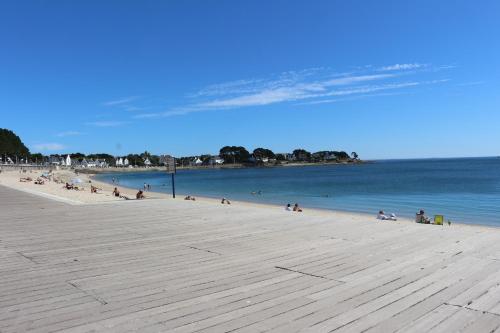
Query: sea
[464, 190]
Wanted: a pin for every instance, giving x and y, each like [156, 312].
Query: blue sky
[387, 79]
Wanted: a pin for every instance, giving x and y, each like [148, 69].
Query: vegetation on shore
[13, 150]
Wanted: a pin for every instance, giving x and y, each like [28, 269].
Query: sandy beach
[57, 191]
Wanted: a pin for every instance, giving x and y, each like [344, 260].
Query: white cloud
[291, 92]
[121, 101]
[68, 133]
[48, 146]
[402, 67]
[305, 86]
[107, 123]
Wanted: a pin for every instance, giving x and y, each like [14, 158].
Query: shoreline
[217, 167]
[54, 191]
[319, 211]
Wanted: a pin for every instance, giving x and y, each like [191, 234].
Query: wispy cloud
[107, 123]
[402, 67]
[48, 146]
[68, 133]
[120, 101]
[312, 86]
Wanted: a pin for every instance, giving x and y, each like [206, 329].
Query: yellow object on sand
[438, 219]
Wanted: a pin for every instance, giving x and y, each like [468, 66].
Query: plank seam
[97, 298]
[308, 274]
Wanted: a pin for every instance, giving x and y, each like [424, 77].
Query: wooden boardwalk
[175, 266]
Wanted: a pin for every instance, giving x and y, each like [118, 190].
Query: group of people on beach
[295, 208]
[139, 195]
[420, 217]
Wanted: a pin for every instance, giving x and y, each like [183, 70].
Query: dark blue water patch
[465, 190]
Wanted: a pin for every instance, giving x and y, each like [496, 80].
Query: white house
[125, 162]
[147, 162]
[197, 161]
[91, 163]
[119, 162]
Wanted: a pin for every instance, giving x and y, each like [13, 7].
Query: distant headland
[14, 152]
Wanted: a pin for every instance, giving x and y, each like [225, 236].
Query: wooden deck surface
[175, 266]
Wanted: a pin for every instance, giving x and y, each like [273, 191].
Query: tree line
[11, 146]
[239, 154]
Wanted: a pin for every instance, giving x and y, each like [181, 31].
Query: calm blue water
[464, 190]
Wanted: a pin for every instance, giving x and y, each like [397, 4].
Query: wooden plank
[159, 265]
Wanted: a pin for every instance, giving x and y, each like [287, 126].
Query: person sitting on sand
[39, 181]
[190, 198]
[224, 200]
[296, 208]
[116, 193]
[288, 207]
[93, 189]
[140, 195]
[421, 218]
[68, 186]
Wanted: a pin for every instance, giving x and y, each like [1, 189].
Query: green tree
[341, 155]
[260, 153]
[11, 145]
[301, 155]
[110, 159]
[77, 156]
[234, 154]
[135, 159]
[37, 158]
[155, 160]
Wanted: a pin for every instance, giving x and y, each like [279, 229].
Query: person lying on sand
[296, 208]
[381, 216]
[225, 201]
[190, 198]
[25, 179]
